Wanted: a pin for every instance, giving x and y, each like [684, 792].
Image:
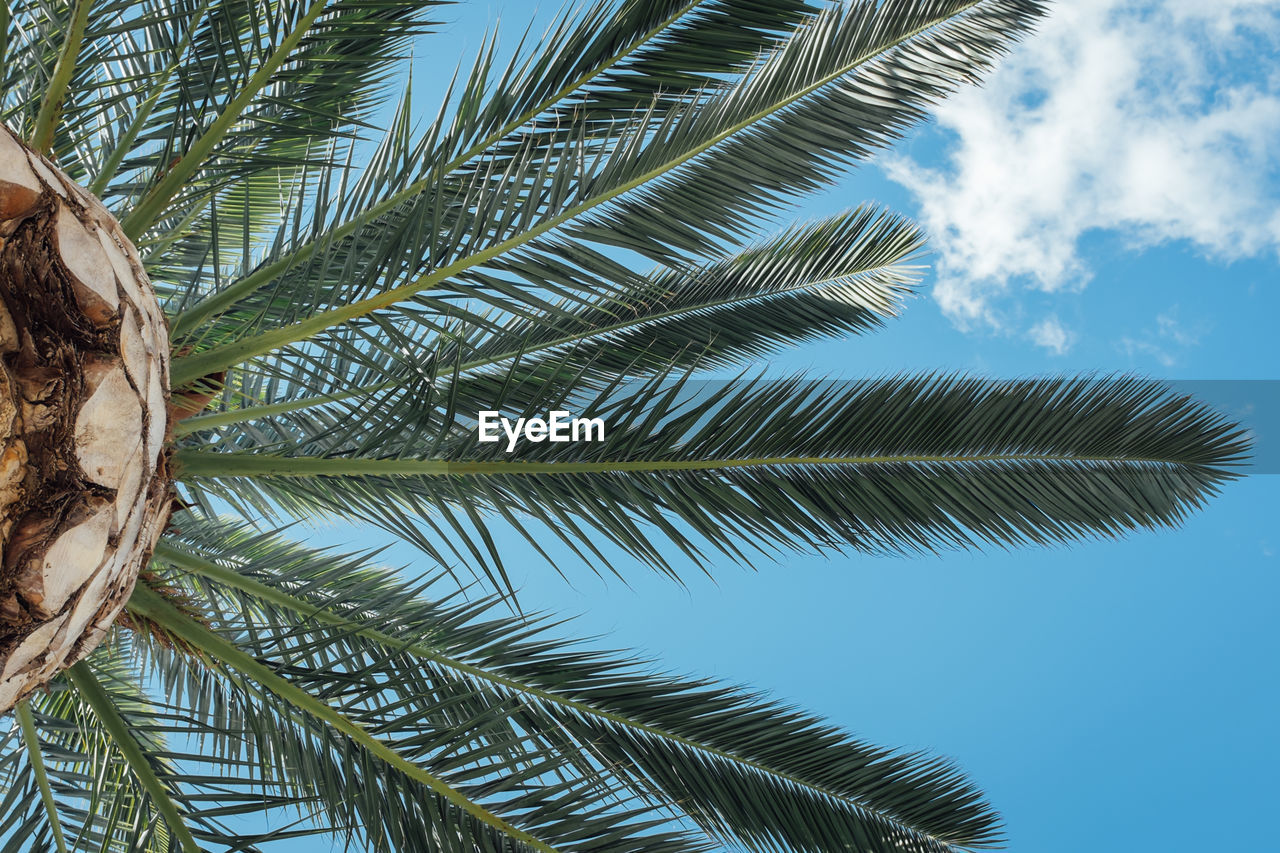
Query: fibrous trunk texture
[84, 377]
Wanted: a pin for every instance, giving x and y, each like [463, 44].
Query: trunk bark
[84, 379]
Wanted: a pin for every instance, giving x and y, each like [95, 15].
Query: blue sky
[1108, 202]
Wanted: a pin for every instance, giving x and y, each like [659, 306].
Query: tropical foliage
[588, 225]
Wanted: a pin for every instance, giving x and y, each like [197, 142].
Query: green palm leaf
[803, 463]
[594, 64]
[843, 274]
[517, 206]
[120, 775]
[745, 768]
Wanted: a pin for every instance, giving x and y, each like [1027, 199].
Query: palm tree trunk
[84, 486]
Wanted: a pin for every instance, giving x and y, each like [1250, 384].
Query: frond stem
[4, 31]
[200, 463]
[92, 692]
[213, 420]
[63, 71]
[31, 738]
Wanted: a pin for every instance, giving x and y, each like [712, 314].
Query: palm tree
[278, 311]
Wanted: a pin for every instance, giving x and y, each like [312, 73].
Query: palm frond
[125, 767]
[835, 276]
[884, 60]
[35, 756]
[590, 70]
[892, 465]
[747, 770]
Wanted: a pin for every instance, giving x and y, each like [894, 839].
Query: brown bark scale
[84, 377]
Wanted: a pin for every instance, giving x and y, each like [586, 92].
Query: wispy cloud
[1166, 341]
[1128, 116]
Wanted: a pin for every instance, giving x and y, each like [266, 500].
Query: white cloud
[1052, 335]
[1155, 121]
